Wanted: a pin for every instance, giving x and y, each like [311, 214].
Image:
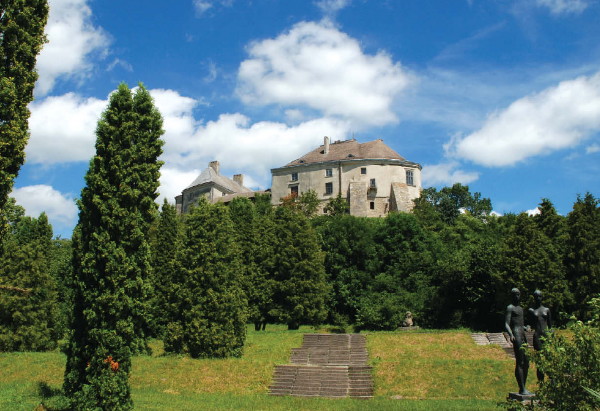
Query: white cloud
[594, 148]
[564, 6]
[315, 65]
[60, 208]
[202, 6]
[556, 118]
[446, 174]
[63, 129]
[534, 211]
[331, 7]
[72, 38]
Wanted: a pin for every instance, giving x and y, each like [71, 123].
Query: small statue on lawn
[408, 320]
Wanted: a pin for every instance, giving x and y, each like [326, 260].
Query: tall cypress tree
[167, 272]
[212, 321]
[111, 257]
[300, 288]
[583, 251]
[22, 25]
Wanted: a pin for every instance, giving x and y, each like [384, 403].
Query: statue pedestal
[521, 397]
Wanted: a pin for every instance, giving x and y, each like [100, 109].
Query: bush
[571, 363]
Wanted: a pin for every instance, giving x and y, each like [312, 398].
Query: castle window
[372, 205]
[372, 184]
[410, 178]
[328, 172]
[294, 190]
[363, 170]
[294, 176]
[328, 188]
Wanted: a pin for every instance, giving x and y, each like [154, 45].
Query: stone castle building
[372, 177]
[214, 186]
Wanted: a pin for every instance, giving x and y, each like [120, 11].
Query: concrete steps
[326, 365]
[501, 339]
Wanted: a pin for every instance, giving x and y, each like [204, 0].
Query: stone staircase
[501, 339]
[326, 365]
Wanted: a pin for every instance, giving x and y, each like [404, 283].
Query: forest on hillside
[450, 263]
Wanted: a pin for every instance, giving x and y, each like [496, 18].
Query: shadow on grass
[52, 399]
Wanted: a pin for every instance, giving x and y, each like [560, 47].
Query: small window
[372, 205]
[372, 184]
[363, 170]
[409, 178]
[328, 172]
[294, 190]
[294, 176]
[328, 188]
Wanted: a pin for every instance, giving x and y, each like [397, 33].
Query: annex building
[372, 177]
[214, 186]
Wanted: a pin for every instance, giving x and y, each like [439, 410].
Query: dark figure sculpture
[515, 326]
[541, 320]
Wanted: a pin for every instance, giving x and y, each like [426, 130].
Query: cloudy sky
[502, 95]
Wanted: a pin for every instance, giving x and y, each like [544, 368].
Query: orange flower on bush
[114, 365]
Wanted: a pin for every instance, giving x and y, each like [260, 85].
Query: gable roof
[348, 150]
[210, 175]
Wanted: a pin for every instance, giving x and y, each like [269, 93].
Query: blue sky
[502, 95]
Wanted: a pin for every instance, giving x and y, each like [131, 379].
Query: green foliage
[570, 363]
[337, 206]
[406, 255]
[111, 255]
[166, 269]
[350, 261]
[212, 304]
[256, 239]
[434, 207]
[22, 25]
[531, 261]
[583, 251]
[29, 311]
[300, 287]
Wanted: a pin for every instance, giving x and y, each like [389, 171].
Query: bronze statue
[515, 326]
[541, 320]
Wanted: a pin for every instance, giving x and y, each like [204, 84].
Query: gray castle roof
[210, 176]
[348, 150]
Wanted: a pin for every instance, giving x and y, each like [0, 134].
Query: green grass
[413, 371]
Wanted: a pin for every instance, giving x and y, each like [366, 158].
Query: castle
[372, 177]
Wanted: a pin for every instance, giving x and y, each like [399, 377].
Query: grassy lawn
[413, 371]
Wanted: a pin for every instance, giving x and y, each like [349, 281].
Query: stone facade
[214, 186]
[371, 176]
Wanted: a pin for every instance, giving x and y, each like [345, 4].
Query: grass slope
[413, 371]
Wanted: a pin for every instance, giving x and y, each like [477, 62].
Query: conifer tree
[212, 304]
[22, 25]
[29, 310]
[583, 252]
[166, 280]
[255, 237]
[300, 288]
[111, 259]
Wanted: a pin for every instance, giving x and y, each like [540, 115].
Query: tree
[212, 304]
[530, 262]
[350, 261]
[255, 237]
[29, 305]
[300, 287]
[571, 364]
[167, 279]
[111, 258]
[22, 25]
[583, 251]
[337, 206]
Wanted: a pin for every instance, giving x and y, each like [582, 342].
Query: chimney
[326, 144]
[214, 165]
[239, 178]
